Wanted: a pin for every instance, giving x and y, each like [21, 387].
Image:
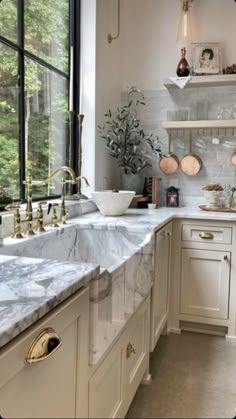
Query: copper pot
[169, 163]
[191, 163]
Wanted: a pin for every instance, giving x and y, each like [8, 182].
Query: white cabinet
[160, 290]
[205, 277]
[115, 381]
[54, 387]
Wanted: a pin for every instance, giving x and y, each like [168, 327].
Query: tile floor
[193, 376]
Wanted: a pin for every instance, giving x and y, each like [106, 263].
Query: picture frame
[206, 58]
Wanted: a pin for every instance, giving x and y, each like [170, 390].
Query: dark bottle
[183, 68]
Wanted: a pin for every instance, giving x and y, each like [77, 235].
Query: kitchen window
[37, 41]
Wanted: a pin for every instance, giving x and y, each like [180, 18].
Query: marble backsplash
[216, 158]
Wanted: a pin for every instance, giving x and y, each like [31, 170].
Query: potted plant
[128, 143]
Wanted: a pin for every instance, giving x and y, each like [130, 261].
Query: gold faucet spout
[78, 178]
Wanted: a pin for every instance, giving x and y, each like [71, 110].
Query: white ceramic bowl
[113, 203]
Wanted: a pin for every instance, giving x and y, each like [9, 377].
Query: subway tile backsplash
[216, 159]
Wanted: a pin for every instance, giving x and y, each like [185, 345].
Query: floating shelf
[222, 123]
[206, 81]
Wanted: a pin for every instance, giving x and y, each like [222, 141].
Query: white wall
[145, 53]
[108, 89]
[149, 28]
[101, 88]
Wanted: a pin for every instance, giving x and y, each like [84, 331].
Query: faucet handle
[17, 223]
[40, 227]
[54, 214]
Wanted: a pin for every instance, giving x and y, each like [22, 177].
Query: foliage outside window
[34, 84]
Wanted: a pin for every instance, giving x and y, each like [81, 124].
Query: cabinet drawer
[207, 234]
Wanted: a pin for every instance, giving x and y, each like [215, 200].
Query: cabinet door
[136, 353]
[47, 389]
[160, 291]
[106, 390]
[205, 278]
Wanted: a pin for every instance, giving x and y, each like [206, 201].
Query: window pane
[47, 30]
[46, 123]
[8, 19]
[9, 165]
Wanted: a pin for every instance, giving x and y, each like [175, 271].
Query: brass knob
[225, 257]
[43, 346]
[206, 235]
[130, 350]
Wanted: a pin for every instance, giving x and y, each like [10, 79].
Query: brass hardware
[17, 223]
[43, 346]
[54, 214]
[225, 257]
[30, 183]
[130, 350]
[111, 38]
[29, 210]
[206, 236]
[40, 227]
[63, 208]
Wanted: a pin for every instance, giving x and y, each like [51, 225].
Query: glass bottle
[183, 68]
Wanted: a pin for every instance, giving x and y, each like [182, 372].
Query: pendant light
[184, 35]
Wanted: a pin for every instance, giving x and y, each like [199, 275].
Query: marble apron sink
[126, 272]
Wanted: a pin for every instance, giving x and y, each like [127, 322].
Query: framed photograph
[206, 59]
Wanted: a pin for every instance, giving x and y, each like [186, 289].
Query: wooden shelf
[205, 81]
[222, 123]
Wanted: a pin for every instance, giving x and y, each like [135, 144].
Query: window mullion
[21, 102]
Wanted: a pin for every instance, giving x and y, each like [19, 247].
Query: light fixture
[184, 35]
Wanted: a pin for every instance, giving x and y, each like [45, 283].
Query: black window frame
[74, 40]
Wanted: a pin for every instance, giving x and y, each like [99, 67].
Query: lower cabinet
[161, 286]
[205, 279]
[116, 380]
[54, 387]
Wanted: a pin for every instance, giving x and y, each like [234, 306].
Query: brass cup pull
[130, 350]
[43, 346]
[206, 236]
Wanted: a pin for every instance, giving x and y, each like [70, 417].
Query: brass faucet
[30, 183]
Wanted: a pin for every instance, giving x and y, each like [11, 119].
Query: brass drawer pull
[43, 346]
[206, 236]
[130, 350]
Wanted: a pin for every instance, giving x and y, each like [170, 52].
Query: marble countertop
[31, 288]
[150, 220]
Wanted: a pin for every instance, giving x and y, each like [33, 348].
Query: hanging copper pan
[170, 162]
[191, 163]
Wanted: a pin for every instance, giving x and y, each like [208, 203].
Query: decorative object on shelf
[214, 195]
[126, 140]
[111, 38]
[191, 163]
[206, 59]
[231, 69]
[184, 34]
[183, 69]
[216, 209]
[172, 197]
[169, 163]
[227, 195]
[151, 189]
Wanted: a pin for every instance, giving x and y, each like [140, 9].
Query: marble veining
[123, 246]
[31, 288]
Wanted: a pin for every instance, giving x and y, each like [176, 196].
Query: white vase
[131, 182]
